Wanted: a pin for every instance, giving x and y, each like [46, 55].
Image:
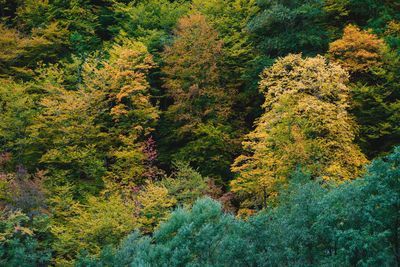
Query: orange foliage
[358, 50]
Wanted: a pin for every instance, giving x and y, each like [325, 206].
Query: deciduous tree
[305, 125]
[129, 115]
[67, 131]
[374, 90]
[357, 51]
[201, 105]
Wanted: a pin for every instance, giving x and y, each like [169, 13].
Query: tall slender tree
[201, 104]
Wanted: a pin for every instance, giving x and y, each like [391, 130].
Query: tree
[87, 21]
[355, 223]
[96, 131]
[191, 237]
[392, 34]
[237, 67]
[20, 53]
[305, 125]
[357, 51]
[101, 221]
[106, 219]
[130, 115]
[351, 224]
[229, 18]
[22, 191]
[150, 21]
[374, 90]
[284, 27]
[24, 241]
[374, 14]
[376, 104]
[192, 73]
[186, 185]
[155, 205]
[201, 105]
[25, 237]
[67, 131]
[17, 114]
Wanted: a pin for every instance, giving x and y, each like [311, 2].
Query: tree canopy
[199, 132]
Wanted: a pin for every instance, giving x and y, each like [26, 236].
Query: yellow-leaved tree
[66, 132]
[130, 115]
[101, 221]
[155, 205]
[95, 133]
[305, 125]
[105, 219]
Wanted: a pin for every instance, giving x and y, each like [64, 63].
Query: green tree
[375, 14]
[284, 27]
[24, 241]
[87, 21]
[191, 237]
[186, 185]
[150, 21]
[20, 53]
[392, 34]
[352, 224]
[237, 67]
[196, 122]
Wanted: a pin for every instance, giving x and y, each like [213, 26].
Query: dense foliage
[355, 224]
[253, 119]
[289, 135]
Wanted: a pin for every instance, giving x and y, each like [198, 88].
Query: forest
[199, 133]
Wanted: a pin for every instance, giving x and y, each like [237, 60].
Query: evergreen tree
[195, 237]
[24, 241]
